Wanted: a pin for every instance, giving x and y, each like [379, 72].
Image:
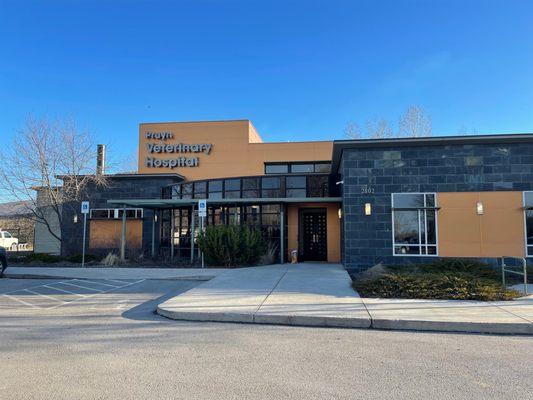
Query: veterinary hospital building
[359, 202]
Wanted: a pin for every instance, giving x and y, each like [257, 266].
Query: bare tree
[379, 129]
[415, 123]
[49, 165]
[352, 131]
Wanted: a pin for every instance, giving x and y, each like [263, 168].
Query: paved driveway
[112, 346]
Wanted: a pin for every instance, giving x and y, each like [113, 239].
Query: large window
[528, 215]
[298, 167]
[414, 219]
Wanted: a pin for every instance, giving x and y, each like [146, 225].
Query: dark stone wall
[371, 175]
[117, 188]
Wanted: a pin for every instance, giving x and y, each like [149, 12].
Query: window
[115, 213]
[528, 215]
[322, 167]
[296, 186]
[414, 219]
[302, 168]
[271, 187]
[215, 189]
[276, 168]
[250, 187]
[7, 235]
[186, 191]
[200, 190]
[318, 186]
[232, 188]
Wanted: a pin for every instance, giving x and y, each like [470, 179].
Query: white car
[8, 241]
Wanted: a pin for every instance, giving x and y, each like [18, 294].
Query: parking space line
[83, 287]
[20, 301]
[43, 295]
[117, 281]
[64, 291]
[92, 295]
[33, 287]
[96, 283]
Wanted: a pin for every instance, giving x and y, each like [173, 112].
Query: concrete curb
[45, 276]
[360, 323]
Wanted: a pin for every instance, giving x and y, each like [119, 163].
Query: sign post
[84, 211]
[202, 213]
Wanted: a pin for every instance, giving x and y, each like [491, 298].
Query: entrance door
[313, 234]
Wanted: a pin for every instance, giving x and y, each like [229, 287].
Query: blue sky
[300, 70]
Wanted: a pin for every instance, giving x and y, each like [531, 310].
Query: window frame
[419, 244]
[113, 213]
[526, 209]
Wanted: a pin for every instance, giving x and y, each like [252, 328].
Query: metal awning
[161, 204]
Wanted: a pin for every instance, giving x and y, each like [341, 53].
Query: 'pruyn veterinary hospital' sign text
[162, 147]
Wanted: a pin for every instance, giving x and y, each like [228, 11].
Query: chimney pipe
[100, 159]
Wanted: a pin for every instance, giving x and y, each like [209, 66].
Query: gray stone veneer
[371, 175]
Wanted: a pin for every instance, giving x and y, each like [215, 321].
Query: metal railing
[510, 271]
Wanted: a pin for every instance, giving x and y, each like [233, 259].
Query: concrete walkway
[321, 295]
[113, 273]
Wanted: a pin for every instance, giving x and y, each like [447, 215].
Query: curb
[360, 323]
[45, 276]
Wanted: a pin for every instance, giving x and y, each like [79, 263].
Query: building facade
[360, 202]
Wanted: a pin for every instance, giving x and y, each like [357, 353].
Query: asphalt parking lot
[100, 339]
[49, 295]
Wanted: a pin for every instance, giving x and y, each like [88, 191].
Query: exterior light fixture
[368, 209]
[155, 216]
[479, 208]
[75, 218]
[340, 213]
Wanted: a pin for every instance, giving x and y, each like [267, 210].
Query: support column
[153, 232]
[192, 234]
[172, 229]
[282, 234]
[123, 235]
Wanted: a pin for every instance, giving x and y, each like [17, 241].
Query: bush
[443, 279]
[231, 245]
[111, 260]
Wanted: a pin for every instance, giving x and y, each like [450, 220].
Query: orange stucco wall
[105, 234]
[497, 232]
[237, 149]
[333, 222]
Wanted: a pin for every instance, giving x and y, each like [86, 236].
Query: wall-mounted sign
[165, 148]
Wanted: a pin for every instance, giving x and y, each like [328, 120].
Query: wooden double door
[313, 234]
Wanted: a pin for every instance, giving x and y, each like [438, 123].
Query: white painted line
[92, 295]
[96, 283]
[117, 281]
[83, 287]
[20, 301]
[64, 291]
[33, 287]
[44, 295]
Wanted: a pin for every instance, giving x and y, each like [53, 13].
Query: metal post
[282, 234]
[84, 236]
[503, 272]
[172, 229]
[202, 221]
[192, 234]
[153, 233]
[123, 235]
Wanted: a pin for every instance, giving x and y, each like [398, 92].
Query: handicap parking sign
[202, 208]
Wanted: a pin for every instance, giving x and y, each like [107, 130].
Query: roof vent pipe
[100, 159]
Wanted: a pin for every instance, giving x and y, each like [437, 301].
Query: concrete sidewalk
[113, 273]
[321, 295]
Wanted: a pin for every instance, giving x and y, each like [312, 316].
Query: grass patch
[443, 279]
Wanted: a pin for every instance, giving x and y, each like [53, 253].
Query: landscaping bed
[443, 279]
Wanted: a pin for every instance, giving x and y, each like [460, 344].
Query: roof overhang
[340, 145]
[162, 204]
